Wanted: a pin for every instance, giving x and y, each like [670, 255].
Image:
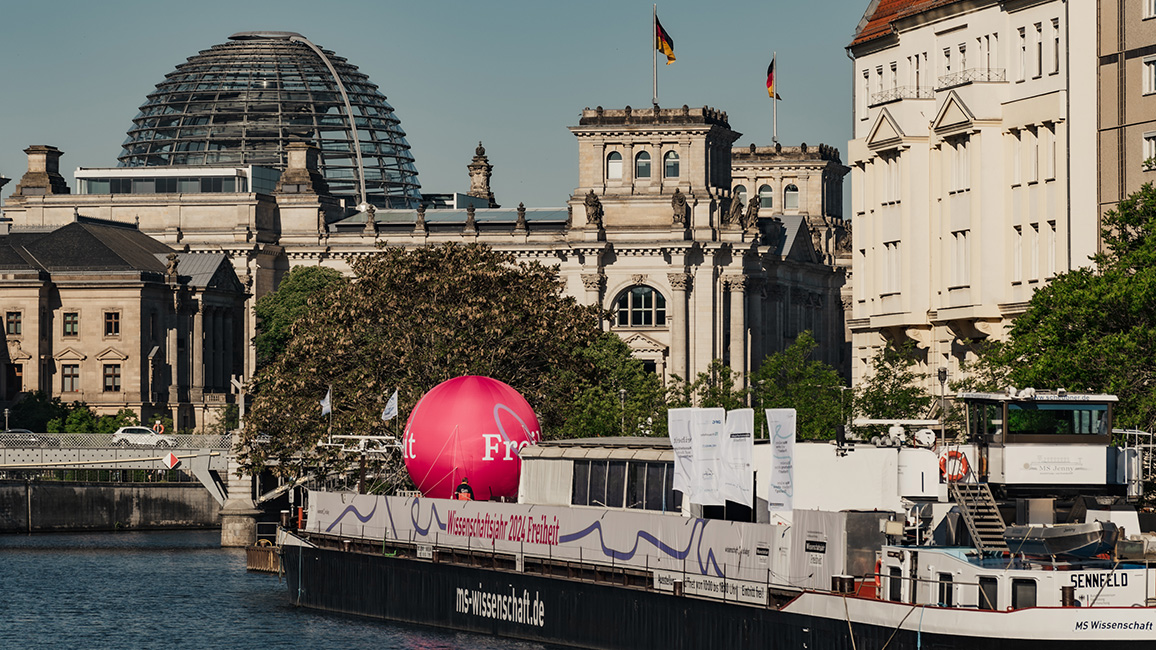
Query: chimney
[43, 175]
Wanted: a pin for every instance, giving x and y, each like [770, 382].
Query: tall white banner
[781, 424]
[738, 445]
[678, 426]
[706, 431]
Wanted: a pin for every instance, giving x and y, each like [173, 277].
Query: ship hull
[596, 615]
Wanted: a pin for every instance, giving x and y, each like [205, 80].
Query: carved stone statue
[735, 214]
[593, 210]
[471, 224]
[171, 267]
[420, 224]
[678, 203]
[752, 216]
[520, 225]
[370, 219]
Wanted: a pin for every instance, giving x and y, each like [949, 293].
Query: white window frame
[1018, 255]
[1148, 148]
[1050, 151]
[1148, 66]
[961, 259]
[1033, 249]
[614, 166]
[1022, 64]
[1039, 42]
[1050, 245]
[1056, 50]
[1149, 10]
[892, 268]
[1017, 156]
[1034, 152]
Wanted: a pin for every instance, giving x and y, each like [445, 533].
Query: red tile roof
[888, 11]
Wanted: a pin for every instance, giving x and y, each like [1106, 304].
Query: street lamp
[942, 405]
[622, 403]
[6, 411]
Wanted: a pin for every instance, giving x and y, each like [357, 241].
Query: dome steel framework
[242, 102]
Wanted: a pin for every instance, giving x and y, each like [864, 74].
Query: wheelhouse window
[70, 377]
[642, 165]
[641, 307]
[766, 197]
[945, 590]
[1023, 593]
[614, 165]
[791, 197]
[1028, 419]
[670, 165]
[632, 485]
[988, 594]
[71, 323]
[13, 322]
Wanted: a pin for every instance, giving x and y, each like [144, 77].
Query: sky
[512, 74]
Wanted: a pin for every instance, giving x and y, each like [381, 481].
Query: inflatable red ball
[469, 428]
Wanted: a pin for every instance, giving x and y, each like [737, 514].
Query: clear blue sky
[513, 74]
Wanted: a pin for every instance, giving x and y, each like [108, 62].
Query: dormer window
[642, 165]
[614, 165]
[670, 165]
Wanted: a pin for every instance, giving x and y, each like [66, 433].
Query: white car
[141, 437]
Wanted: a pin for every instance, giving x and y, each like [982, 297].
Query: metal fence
[104, 441]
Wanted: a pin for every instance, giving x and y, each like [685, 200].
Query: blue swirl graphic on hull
[642, 535]
[415, 508]
[351, 509]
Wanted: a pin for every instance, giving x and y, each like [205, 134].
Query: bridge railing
[104, 441]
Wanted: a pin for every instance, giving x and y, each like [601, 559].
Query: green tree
[78, 419]
[1094, 329]
[36, 410]
[123, 418]
[791, 379]
[716, 387]
[277, 311]
[623, 398]
[410, 320]
[894, 388]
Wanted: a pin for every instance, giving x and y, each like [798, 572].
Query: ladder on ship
[980, 515]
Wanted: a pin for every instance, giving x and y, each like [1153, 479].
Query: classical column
[197, 340]
[738, 334]
[227, 369]
[679, 284]
[755, 321]
[215, 381]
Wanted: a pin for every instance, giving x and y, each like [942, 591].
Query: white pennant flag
[390, 410]
[326, 407]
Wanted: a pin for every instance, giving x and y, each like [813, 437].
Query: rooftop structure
[242, 102]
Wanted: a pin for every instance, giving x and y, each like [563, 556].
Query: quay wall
[57, 506]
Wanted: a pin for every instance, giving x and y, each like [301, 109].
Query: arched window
[614, 165]
[766, 197]
[641, 307]
[642, 165]
[740, 193]
[791, 197]
[670, 165]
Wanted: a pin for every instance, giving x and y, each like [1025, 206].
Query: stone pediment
[643, 343]
[954, 115]
[885, 133]
[112, 354]
[16, 353]
[69, 354]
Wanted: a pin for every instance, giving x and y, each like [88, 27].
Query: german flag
[663, 42]
[771, 80]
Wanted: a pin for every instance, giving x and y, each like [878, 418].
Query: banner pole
[775, 102]
[654, 53]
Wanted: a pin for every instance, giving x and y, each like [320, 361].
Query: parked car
[141, 437]
[25, 438]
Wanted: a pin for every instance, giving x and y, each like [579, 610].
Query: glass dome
[242, 102]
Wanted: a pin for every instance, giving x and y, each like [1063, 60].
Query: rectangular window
[112, 377]
[962, 56]
[1034, 251]
[945, 590]
[1039, 63]
[71, 323]
[1023, 593]
[1149, 67]
[866, 101]
[918, 82]
[1017, 157]
[1050, 248]
[598, 483]
[112, 323]
[1034, 153]
[1049, 132]
[1022, 63]
[893, 273]
[960, 164]
[580, 494]
[13, 321]
[946, 61]
[1149, 161]
[1149, 9]
[1018, 255]
[70, 377]
[615, 483]
[988, 590]
[961, 258]
[894, 585]
[1055, 45]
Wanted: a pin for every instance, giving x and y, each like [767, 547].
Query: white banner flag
[781, 423]
[706, 430]
[738, 445]
[326, 404]
[390, 410]
[678, 427]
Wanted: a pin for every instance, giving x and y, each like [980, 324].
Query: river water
[174, 589]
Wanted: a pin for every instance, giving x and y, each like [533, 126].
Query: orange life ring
[878, 568]
[159, 428]
[961, 465]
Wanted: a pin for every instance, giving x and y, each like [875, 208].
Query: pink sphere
[469, 427]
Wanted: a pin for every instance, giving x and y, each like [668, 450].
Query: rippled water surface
[174, 590]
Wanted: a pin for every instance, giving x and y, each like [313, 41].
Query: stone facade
[647, 238]
[100, 313]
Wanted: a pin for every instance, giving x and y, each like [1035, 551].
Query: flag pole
[654, 51]
[330, 394]
[775, 102]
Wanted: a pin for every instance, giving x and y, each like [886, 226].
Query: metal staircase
[980, 514]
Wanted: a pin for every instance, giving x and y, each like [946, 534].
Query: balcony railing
[901, 92]
[970, 75]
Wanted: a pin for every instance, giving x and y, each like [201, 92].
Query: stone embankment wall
[73, 506]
